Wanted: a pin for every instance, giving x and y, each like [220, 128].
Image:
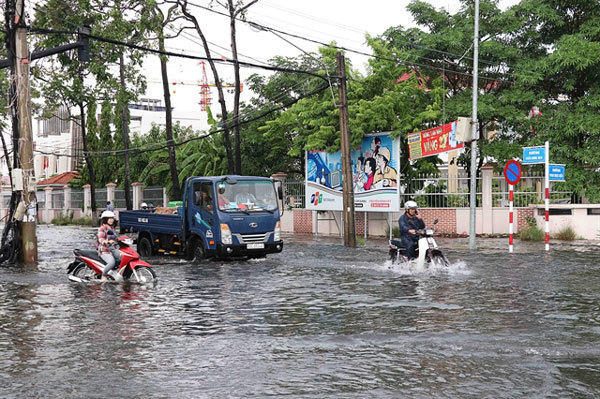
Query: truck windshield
[247, 196]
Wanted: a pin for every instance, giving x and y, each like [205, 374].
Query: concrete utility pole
[474, 126]
[347, 189]
[29, 251]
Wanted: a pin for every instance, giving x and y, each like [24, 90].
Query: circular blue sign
[512, 172]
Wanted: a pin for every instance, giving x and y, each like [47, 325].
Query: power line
[153, 147]
[266, 28]
[180, 55]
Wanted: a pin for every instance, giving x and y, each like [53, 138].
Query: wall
[454, 221]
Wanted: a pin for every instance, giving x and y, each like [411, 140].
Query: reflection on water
[318, 320]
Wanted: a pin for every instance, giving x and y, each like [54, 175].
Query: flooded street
[316, 321]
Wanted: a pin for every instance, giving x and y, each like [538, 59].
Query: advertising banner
[433, 141]
[374, 176]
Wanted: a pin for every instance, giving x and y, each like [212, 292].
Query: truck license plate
[255, 246]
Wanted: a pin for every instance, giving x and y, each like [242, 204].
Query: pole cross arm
[82, 45]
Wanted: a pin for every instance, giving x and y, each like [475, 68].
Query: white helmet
[143, 205]
[410, 205]
[107, 214]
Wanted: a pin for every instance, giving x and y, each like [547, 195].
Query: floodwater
[316, 321]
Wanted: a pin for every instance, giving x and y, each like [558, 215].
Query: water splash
[413, 269]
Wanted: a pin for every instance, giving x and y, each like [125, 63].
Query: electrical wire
[153, 147]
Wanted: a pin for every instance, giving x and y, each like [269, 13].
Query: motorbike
[427, 251]
[88, 265]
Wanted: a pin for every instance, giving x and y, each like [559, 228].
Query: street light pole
[474, 136]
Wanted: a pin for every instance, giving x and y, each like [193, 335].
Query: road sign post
[512, 174]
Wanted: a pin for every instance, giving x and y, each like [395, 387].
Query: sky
[345, 21]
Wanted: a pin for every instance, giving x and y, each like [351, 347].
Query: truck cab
[220, 216]
[233, 216]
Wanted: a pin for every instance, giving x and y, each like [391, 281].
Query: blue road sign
[512, 172]
[556, 172]
[534, 155]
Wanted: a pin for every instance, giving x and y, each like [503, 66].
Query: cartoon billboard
[375, 169]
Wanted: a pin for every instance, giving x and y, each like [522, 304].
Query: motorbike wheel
[144, 275]
[83, 272]
[144, 247]
[440, 260]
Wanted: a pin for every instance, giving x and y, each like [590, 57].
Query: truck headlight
[277, 232]
[226, 235]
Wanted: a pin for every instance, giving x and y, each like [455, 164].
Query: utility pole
[474, 136]
[347, 188]
[29, 251]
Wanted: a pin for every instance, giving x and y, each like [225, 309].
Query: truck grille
[248, 238]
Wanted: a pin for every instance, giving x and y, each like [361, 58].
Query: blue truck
[219, 216]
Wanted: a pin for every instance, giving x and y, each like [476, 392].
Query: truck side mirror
[280, 192]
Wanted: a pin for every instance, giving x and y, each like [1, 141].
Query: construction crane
[205, 92]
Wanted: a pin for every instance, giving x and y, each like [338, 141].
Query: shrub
[566, 234]
[531, 232]
[63, 220]
[395, 231]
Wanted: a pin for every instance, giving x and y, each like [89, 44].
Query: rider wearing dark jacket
[409, 223]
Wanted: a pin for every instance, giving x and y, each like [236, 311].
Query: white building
[57, 140]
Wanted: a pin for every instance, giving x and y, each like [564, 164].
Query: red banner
[433, 141]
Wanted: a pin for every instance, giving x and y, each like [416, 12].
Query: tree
[160, 21]
[183, 4]
[562, 42]
[266, 153]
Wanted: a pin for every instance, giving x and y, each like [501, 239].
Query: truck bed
[157, 223]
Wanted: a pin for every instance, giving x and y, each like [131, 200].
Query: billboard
[433, 141]
[375, 170]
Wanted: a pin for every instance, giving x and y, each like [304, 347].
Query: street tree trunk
[88, 160]
[125, 120]
[169, 121]
[218, 85]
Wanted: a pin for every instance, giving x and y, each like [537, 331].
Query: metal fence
[295, 194]
[57, 199]
[120, 198]
[432, 191]
[77, 199]
[101, 198]
[154, 196]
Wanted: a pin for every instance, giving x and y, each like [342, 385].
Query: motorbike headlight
[226, 234]
[277, 232]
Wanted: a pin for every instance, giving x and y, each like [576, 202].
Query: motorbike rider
[107, 248]
[409, 223]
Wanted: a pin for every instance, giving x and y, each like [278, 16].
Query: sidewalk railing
[434, 191]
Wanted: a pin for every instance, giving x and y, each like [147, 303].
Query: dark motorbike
[426, 253]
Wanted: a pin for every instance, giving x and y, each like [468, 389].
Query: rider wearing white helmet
[409, 223]
[107, 249]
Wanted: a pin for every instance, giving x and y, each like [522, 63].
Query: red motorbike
[88, 265]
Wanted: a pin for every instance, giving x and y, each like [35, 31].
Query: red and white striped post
[547, 194]
[510, 218]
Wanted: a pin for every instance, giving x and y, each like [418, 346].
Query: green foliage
[460, 199]
[566, 234]
[531, 232]
[395, 230]
[526, 196]
[64, 220]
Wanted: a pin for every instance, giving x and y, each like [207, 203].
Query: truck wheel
[144, 247]
[196, 251]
